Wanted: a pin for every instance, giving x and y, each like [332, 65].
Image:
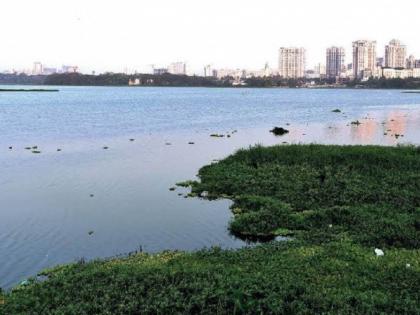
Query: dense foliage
[370, 192]
[382, 83]
[120, 79]
[278, 278]
[338, 203]
[21, 79]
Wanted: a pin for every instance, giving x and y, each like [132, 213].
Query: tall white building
[38, 68]
[208, 71]
[335, 65]
[292, 62]
[364, 59]
[179, 68]
[395, 54]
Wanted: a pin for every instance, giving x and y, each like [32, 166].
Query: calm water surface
[46, 211]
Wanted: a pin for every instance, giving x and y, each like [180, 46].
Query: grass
[337, 204]
[369, 192]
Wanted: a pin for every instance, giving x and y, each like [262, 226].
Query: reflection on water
[52, 200]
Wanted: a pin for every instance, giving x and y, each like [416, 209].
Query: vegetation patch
[351, 215]
[368, 192]
[277, 278]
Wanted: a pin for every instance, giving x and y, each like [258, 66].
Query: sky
[107, 35]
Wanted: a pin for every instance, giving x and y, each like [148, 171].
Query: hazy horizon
[114, 36]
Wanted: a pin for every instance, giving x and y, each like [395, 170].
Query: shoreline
[29, 90]
[334, 241]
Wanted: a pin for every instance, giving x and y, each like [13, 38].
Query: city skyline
[234, 34]
[365, 57]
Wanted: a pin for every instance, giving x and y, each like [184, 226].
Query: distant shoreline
[29, 90]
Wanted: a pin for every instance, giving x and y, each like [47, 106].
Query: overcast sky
[107, 35]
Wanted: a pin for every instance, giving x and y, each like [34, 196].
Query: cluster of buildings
[177, 68]
[40, 69]
[366, 63]
[292, 65]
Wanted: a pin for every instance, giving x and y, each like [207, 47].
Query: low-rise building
[391, 73]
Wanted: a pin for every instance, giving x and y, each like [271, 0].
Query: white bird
[379, 252]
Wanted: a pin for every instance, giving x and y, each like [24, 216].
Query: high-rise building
[335, 61]
[411, 62]
[37, 69]
[364, 59]
[208, 72]
[292, 62]
[395, 54]
[179, 68]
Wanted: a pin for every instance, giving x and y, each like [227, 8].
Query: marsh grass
[336, 203]
[370, 192]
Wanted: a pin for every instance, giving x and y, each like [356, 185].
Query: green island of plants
[339, 206]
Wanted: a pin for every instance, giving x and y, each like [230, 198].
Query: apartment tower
[364, 59]
[395, 54]
[335, 62]
[292, 62]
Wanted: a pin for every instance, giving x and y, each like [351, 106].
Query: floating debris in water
[279, 131]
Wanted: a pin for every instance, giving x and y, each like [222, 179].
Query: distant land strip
[29, 90]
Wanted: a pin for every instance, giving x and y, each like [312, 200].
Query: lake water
[47, 213]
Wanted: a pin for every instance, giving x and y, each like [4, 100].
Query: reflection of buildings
[372, 131]
[365, 132]
[396, 123]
